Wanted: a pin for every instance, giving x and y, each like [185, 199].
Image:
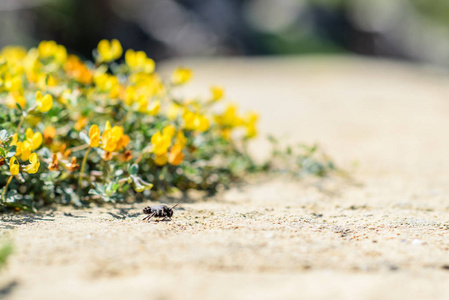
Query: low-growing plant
[6, 249]
[76, 132]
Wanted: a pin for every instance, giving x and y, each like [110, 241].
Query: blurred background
[413, 30]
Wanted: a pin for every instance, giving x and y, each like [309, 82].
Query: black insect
[158, 211]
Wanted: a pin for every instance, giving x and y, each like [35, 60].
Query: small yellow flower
[142, 104]
[47, 49]
[217, 93]
[19, 147]
[161, 159]
[181, 76]
[12, 83]
[14, 166]
[161, 143]
[229, 118]
[35, 138]
[173, 111]
[15, 137]
[195, 121]
[114, 139]
[107, 126]
[15, 98]
[33, 167]
[138, 61]
[108, 83]
[181, 139]
[94, 136]
[26, 150]
[250, 124]
[169, 131]
[130, 95]
[109, 50]
[154, 107]
[44, 103]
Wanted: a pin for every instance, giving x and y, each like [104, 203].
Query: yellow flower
[109, 50]
[250, 124]
[51, 49]
[33, 167]
[142, 104]
[12, 83]
[94, 136]
[14, 166]
[44, 103]
[217, 93]
[169, 131]
[15, 137]
[195, 121]
[181, 139]
[15, 98]
[13, 54]
[161, 159]
[19, 148]
[114, 139]
[130, 95]
[181, 76]
[107, 125]
[108, 83]
[160, 142]
[138, 61]
[173, 111]
[176, 156]
[35, 138]
[229, 118]
[25, 150]
[154, 107]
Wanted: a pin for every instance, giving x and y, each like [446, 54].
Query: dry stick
[144, 151]
[24, 115]
[79, 148]
[83, 165]
[6, 187]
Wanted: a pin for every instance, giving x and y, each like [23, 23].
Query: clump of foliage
[76, 132]
[301, 160]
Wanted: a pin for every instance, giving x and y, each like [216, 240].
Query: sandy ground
[276, 238]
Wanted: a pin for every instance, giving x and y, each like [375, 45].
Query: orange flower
[176, 156]
[49, 134]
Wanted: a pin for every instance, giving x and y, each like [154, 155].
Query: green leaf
[2, 152]
[3, 135]
[19, 107]
[12, 151]
[139, 184]
[133, 169]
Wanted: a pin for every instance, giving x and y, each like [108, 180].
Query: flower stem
[6, 187]
[20, 123]
[83, 165]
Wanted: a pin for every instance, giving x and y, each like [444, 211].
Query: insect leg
[147, 218]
